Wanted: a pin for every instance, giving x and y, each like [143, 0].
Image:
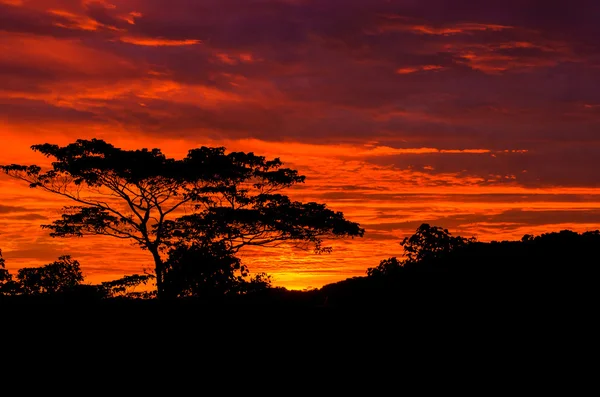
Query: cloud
[8, 209]
[27, 217]
[12, 2]
[157, 42]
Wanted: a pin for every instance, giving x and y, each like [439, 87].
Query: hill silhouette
[551, 270]
[554, 268]
[193, 215]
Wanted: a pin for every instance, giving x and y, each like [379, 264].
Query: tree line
[64, 277]
[436, 266]
[194, 215]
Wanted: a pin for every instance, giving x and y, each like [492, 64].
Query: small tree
[386, 268]
[427, 244]
[4, 274]
[209, 271]
[202, 271]
[430, 242]
[59, 276]
[208, 197]
[6, 281]
[257, 283]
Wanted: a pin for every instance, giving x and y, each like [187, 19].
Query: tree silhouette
[203, 271]
[429, 243]
[209, 197]
[6, 281]
[209, 271]
[59, 276]
[4, 274]
[386, 268]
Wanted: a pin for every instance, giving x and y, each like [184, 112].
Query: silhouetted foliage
[125, 287]
[7, 285]
[209, 197]
[209, 271]
[258, 283]
[425, 247]
[4, 274]
[430, 243]
[558, 268]
[60, 276]
[386, 268]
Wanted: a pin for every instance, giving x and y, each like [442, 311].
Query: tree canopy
[165, 205]
[58, 276]
[430, 243]
[426, 246]
[5, 276]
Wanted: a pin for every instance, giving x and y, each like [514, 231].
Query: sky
[482, 117]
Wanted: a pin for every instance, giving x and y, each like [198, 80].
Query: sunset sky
[482, 117]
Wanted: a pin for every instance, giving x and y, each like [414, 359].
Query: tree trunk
[158, 270]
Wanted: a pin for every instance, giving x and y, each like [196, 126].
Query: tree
[209, 271]
[4, 274]
[6, 282]
[209, 197]
[386, 268]
[203, 271]
[59, 276]
[430, 242]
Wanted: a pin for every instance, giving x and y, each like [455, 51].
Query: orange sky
[480, 117]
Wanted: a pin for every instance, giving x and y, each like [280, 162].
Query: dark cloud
[569, 165]
[498, 75]
[27, 217]
[495, 198]
[32, 111]
[99, 12]
[507, 220]
[25, 20]
[44, 252]
[9, 209]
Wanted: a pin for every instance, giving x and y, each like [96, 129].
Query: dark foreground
[457, 329]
